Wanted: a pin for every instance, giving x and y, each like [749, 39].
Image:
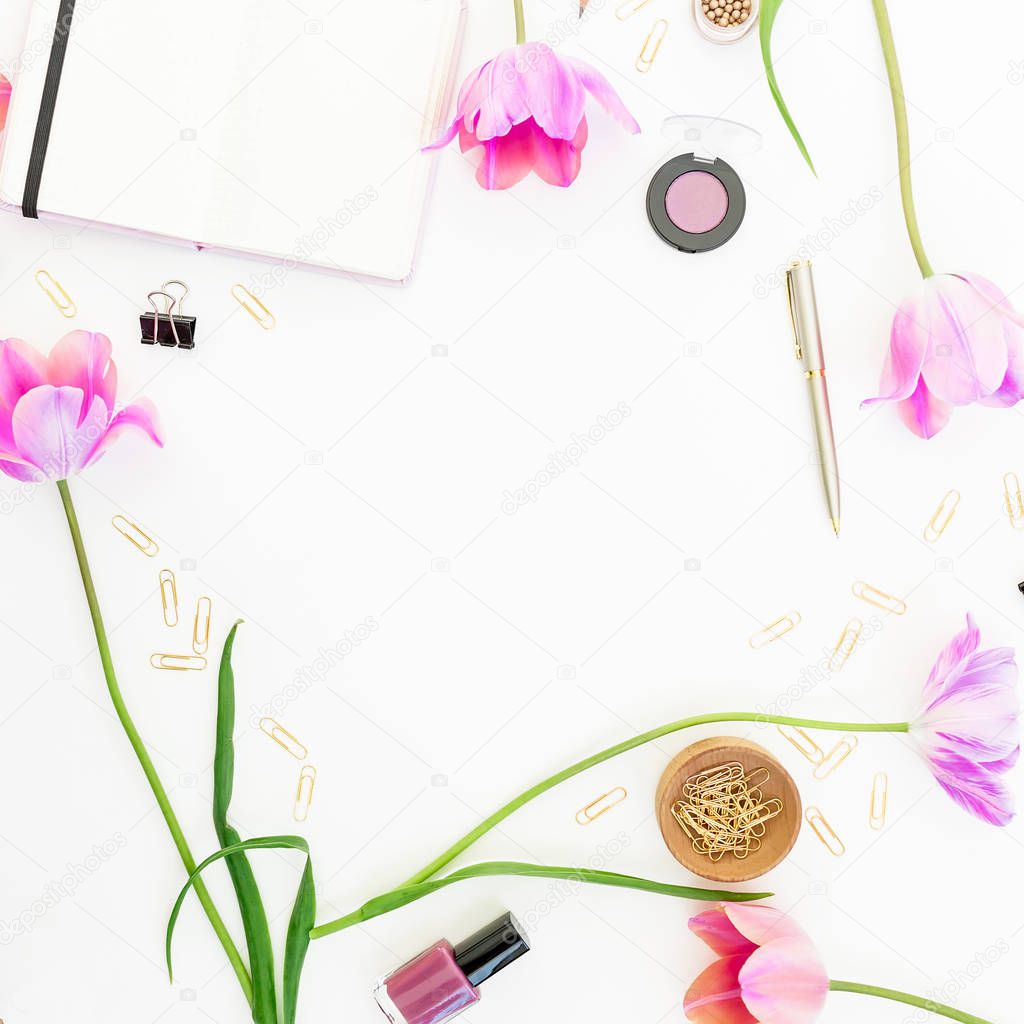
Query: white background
[351, 465]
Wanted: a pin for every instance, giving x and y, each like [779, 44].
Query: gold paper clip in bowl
[253, 307]
[652, 44]
[879, 598]
[304, 792]
[178, 662]
[942, 517]
[201, 625]
[1013, 500]
[169, 597]
[825, 832]
[629, 8]
[879, 801]
[56, 293]
[848, 640]
[134, 533]
[283, 738]
[803, 743]
[602, 805]
[835, 757]
[774, 630]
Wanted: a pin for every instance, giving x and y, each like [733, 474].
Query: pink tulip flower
[769, 971]
[57, 414]
[525, 110]
[5, 100]
[969, 727]
[956, 342]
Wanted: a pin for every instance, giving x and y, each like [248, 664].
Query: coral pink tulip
[956, 342]
[969, 727]
[769, 971]
[525, 110]
[57, 414]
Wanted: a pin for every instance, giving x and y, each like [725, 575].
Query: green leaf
[264, 843]
[408, 894]
[250, 903]
[769, 9]
[301, 924]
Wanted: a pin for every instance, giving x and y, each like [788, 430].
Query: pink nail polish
[443, 981]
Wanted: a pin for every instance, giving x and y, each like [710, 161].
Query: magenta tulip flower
[5, 100]
[956, 342]
[969, 727]
[770, 973]
[57, 414]
[525, 111]
[769, 970]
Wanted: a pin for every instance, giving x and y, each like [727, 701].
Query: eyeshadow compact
[696, 202]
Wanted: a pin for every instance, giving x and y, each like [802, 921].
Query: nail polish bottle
[444, 980]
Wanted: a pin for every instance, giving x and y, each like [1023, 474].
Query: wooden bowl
[782, 831]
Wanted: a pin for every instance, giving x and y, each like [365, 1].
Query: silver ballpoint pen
[803, 310]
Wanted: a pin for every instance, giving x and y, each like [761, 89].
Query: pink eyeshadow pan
[696, 202]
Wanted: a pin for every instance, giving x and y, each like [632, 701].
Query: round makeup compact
[696, 204]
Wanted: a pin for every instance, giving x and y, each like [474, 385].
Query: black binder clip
[168, 327]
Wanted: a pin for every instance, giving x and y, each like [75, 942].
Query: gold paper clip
[603, 804]
[304, 792]
[879, 801]
[935, 529]
[1013, 500]
[135, 533]
[201, 625]
[652, 44]
[253, 307]
[55, 292]
[629, 8]
[847, 644]
[825, 832]
[803, 743]
[879, 598]
[178, 662]
[835, 757]
[169, 597]
[775, 630]
[283, 738]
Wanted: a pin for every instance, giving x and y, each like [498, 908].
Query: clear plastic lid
[708, 136]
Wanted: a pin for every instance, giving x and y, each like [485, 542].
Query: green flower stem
[409, 894]
[899, 108]
[520, 22]
[140, 749]
[637, 741]
[901, 997]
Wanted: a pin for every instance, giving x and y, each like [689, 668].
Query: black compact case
[666, 227]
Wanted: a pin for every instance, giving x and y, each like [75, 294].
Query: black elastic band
[47, 105]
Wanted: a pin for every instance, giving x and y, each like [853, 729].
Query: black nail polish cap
[491, 949]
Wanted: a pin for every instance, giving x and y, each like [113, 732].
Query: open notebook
[242, 124]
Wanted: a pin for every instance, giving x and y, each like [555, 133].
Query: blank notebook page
[243, 124]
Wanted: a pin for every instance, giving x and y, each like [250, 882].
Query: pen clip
[792, 315]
